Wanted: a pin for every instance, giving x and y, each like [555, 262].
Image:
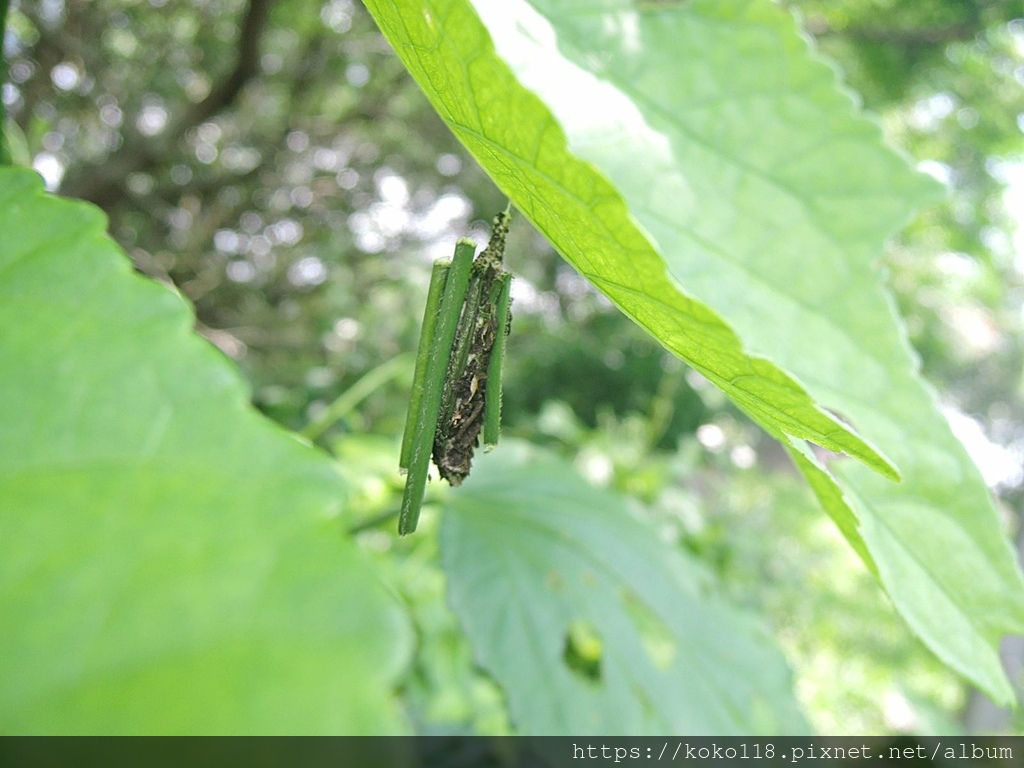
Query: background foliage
[274, 162]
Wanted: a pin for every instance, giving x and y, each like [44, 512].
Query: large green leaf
[517, 140]
[531, 550]
[700, 147]
[170, 562]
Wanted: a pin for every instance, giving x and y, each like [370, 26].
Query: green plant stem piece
[452, 300]
[464, 335]
[437, 280]
[346, 402]
[373, 521]
[492, 397]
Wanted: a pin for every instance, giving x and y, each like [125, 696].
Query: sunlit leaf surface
[705, 171]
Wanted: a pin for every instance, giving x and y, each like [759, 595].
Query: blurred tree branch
[104, 183]
[913, 38]
[247, 64]
[53, 46]
[917, 35]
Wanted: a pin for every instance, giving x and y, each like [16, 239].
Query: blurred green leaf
[593, 625]
[701, 142]
[170, 561]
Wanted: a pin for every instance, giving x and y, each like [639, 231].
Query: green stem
[433, 383]
[492, 397]
[663, 405]
[370, 382]
[437, 280]
[372, 522]
[465, 331]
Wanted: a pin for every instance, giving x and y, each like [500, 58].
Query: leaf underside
[704, 170]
